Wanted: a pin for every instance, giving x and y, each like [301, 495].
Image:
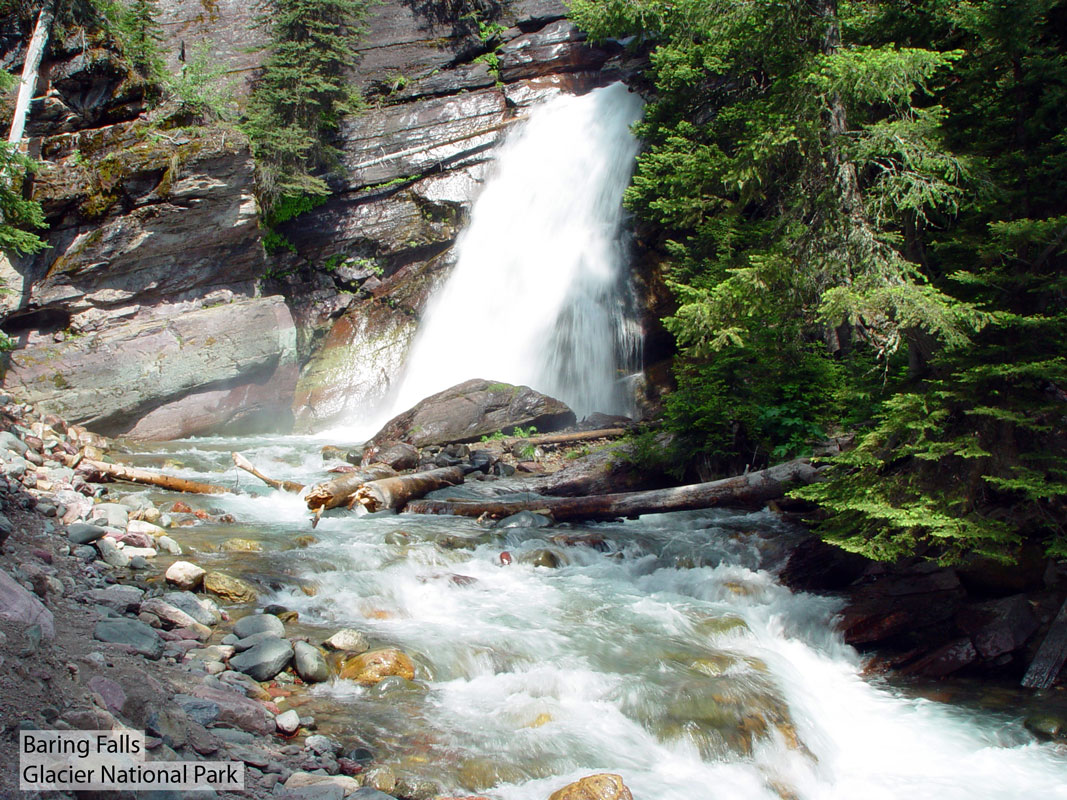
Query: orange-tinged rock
[604, 786]
[375, 665]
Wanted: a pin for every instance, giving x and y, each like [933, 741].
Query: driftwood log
[566, 438]
[752, 489]
[241, 462]
[395, 492]
[339, 491]
[143, 476]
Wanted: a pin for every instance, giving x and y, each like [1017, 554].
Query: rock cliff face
[156, 312]
[414, 163]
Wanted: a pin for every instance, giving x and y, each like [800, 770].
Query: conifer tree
[302, 95]
[141, 37]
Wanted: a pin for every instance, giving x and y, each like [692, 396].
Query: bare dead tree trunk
[339, 491]
[752, 489]
[397, 491]
[30, 69]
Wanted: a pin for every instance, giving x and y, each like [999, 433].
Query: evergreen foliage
[890, 179]
[140, 34]
[299, 100]
[19, 217]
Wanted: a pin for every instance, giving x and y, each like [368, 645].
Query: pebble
[288, 722]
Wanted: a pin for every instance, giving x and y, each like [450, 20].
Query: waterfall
[539, 294]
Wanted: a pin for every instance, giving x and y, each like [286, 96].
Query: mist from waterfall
[540, 294]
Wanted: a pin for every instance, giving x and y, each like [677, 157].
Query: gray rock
[317, 743]
[85, 552]
[234, 736]
[140, 562]
[249, 642]
[198, 709]
[202, 609]
[130, 632]
[265, 660]
[309, 663]
[255, 623]
[111, 553]
[121, 598]
[84, 533]
[9, 441]
[19, 605]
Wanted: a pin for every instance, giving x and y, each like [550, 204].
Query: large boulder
[471, 410]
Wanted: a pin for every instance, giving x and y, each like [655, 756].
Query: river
[663, 649]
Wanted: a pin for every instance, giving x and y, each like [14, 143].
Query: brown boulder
[604, 786]
[470, 410]
[375, 665]
[229, 588]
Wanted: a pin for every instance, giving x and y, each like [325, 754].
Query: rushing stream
[662, 649]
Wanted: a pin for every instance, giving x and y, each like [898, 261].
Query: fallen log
[1051, 655]
[395, 492]
[339, 491]
[752, 489]
[241, 462]
[143, 476]
[567, 438]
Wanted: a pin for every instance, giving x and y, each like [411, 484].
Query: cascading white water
[539, 295]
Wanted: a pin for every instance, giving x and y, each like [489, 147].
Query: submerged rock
[375, 665]
[604, 786]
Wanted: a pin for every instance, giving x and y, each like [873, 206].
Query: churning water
[663, 649]
[539, 295]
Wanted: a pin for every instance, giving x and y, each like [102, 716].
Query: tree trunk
[135, 475]
[1051, 655]
[241, 462]
[30, 68]
[339, 491]
[752, 489]
[397, 491]
[565, 438]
